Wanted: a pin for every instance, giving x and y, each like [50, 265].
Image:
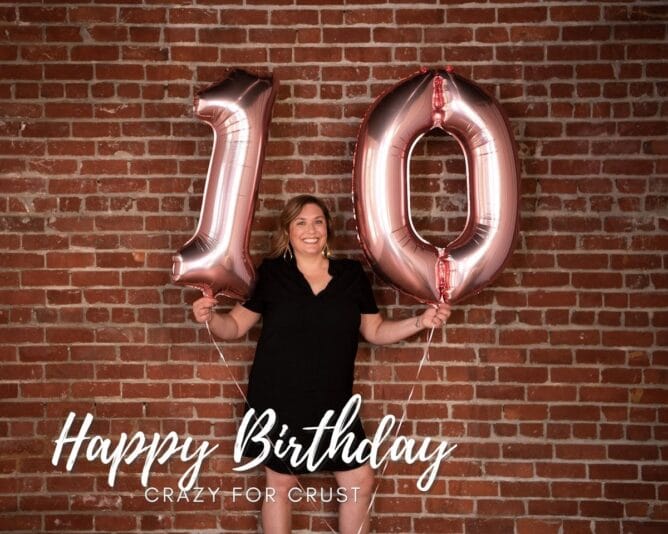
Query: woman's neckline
[328, 266]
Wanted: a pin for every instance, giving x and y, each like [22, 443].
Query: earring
[325, 251]
[287, 255]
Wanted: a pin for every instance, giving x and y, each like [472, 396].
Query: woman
[313, 309]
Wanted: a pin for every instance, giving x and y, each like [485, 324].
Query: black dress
[304, 360]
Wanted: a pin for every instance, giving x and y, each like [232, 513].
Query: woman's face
[308, 231]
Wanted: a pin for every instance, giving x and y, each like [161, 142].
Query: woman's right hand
[203, 309]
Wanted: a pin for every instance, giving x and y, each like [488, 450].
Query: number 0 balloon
[216, 259]
[444, 100]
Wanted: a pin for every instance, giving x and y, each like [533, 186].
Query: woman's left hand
[435, 316]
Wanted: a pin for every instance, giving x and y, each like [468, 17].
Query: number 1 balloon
[216, 259]
[447, 101]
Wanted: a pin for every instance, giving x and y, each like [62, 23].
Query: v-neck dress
[305, 357]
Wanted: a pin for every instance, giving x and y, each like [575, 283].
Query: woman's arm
[381, 331]
[226, 326]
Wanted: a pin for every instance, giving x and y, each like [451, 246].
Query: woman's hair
[280, 242]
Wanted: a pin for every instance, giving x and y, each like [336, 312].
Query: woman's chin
[310, 251]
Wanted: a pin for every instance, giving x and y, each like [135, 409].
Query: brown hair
[280, 242]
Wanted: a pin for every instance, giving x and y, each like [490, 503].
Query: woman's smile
[308, 231]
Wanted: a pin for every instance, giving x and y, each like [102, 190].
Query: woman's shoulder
[347, 262]
[338, 264]
[346, 265]
[269, 264]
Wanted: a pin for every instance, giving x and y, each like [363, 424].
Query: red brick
[42, 14]
[575, 13]
[94, 53]
[294, 17]
[419, 16]
[521, 14]
[142, 15]
[567, 341]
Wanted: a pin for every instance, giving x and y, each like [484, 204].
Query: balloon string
[243, 395]
[425, 357]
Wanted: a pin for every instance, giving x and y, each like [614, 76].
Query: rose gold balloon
[444, 100]
[216, 259]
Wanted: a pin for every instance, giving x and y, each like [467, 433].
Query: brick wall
[551, 382]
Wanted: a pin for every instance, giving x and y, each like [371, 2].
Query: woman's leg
[277, 508]
[354, 512]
